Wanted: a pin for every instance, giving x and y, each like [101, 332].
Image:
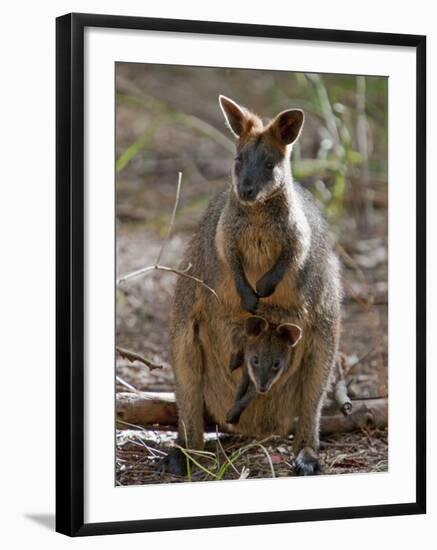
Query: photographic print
[251, 221]
[240, 252]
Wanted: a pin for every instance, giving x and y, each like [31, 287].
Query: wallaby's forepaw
[265, 286]
[237, 361]
[233, 416]
[174, 463]
[249, 302]
[307, 463]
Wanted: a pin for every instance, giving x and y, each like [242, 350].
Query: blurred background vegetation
[168, 120]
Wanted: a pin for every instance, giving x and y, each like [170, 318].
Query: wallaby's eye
[276, 365]
[238, 159]
[255, 361]
[269, 165]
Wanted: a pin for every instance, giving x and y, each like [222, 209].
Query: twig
[126, 384]
[142, 444]
[182, 273]
[224, 453]
[186, 275]
[150, 268]
[245, 472]
[132, 357]
[269, 459]
[140, 428]
[173, 215]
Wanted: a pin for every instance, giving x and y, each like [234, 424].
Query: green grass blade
[134, 148]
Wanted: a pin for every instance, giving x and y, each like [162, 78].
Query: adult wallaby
[263, 246]
[264, 352]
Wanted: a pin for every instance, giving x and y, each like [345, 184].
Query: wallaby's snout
[255, 169]
[247, 189]
[268, 369]
[268, 377]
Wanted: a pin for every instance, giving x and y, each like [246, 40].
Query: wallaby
[260, 175]
[262, 244]
[264, 351]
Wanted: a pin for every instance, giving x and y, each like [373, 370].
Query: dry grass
[233, 457]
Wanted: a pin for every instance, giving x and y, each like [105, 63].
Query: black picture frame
[70, 272]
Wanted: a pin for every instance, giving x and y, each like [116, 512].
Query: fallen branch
[147, 409]
[132, 357]
[340, 392]
[369, 413]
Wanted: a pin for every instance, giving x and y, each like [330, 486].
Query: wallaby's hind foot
[307, 463]
[174, 463]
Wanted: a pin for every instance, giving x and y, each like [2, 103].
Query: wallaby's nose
[247, 191]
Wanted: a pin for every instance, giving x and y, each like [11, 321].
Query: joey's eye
[238, 159]
[269, 165]
[254, 361]
[276, 365]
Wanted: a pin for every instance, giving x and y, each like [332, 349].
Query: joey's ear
[255, 325]
[236, 116]
[290, 333]
[288, 125]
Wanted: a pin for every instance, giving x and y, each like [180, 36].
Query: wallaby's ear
[255, 325]
[288, 125]
[291, 333]
[236, 116]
